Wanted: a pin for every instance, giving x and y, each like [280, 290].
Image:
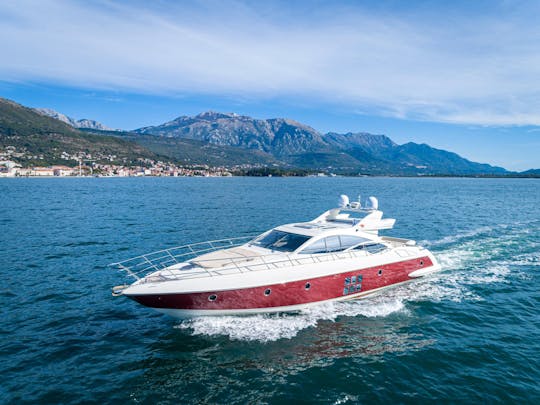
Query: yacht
[337, 256]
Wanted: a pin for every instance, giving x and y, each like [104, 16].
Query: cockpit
[280, 241]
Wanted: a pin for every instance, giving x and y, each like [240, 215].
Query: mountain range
[228, 139]
[297, 145]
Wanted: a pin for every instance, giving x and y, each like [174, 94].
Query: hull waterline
[254, 301]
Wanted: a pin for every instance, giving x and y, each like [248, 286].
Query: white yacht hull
[283, 290]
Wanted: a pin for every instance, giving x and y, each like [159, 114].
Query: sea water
[469, 333]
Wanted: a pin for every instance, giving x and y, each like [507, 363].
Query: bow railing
[160, 265]
[141, 265]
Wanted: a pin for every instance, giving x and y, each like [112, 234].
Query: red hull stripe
[292, 293]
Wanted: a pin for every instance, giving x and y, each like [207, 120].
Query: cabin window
[348, 241]
[375, 248]
[267, 292]
[308, 286]
[333, 244]
[316, 247]
[212, 297]
[341, 243]
[281, 241]
[380, 272]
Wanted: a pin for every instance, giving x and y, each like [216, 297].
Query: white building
[42, 171]
[63, 170]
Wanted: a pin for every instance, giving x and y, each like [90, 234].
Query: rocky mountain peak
[214, 115]
[82, 123]
[277, 136]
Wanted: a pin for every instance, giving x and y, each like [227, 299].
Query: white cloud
[462, 66]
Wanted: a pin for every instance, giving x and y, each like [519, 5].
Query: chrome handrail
[161, 260]
[164, 258]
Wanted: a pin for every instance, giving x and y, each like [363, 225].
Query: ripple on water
[471, 332]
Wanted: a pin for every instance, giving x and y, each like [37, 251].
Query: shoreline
[319, 177]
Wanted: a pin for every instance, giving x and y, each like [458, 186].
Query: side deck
[163, 263]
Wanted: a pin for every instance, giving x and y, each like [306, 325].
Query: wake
[480, 256]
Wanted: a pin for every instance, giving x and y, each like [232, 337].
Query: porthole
[380, 272]
[267, 292]
[308, 286]
[421, 262]
[212, 297]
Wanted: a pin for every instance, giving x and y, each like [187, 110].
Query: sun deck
[225, 256]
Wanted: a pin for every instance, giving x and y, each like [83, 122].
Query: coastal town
[11, 169]
[84, 165]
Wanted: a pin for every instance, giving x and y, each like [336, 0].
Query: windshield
[282, 241]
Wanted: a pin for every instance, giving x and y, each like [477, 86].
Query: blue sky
[463, 76]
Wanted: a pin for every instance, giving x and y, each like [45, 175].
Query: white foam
[266, 328]
[377, 306]
[497, 273]
[263, 328]
[519, 227]
[345, 399]
[528, 259]
[459, 236]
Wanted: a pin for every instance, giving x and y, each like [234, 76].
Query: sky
[462, 76]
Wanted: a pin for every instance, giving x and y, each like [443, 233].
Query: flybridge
[341, 216]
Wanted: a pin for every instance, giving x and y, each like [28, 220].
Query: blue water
[471, 333]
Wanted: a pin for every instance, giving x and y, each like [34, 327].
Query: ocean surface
[470, 333]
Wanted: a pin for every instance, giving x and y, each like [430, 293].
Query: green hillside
[40, 140]
[193, 152]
